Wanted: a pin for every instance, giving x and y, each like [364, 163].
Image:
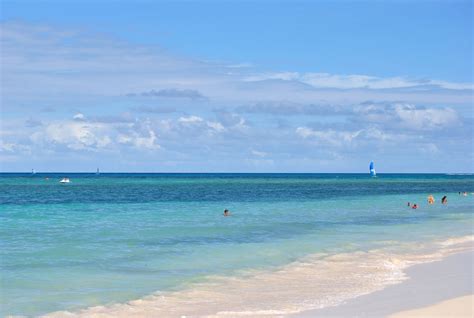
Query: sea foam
[313, 282]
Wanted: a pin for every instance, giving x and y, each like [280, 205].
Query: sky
[236, 86]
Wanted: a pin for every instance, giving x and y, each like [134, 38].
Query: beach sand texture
[428, 287]
[453, 308]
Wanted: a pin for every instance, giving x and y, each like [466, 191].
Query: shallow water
[118, 237]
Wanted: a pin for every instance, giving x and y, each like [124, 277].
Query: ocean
[159, 243]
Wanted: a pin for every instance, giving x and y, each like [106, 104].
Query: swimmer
[415, 206]
[431, 199]
[465, 194]
[408, 204]
[444, 200]
[227, 212]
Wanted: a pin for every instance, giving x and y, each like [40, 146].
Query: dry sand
[453, 308]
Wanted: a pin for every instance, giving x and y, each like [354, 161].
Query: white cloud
[345, 138]
[43, 67]
[13, 148]
[326, 80]
[198, 121]
[240, 65]
[426, 118]
[76, 135]
[285, 76]
[231, 120]
[79, 116]
[190, 120]
[257, 153]
[329, 137]
[216, 126]
[37, 62]
[408, 116]
[139, 141]
[94, 136]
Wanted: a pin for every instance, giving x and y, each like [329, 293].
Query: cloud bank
[71, 99]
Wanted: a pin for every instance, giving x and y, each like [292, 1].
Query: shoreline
[429, 285]
[386, 283]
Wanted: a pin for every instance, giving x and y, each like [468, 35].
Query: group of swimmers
[431, 200]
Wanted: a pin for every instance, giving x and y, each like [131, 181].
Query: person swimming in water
[408, 204]
[415, 206]
[444, 200]
[431, 199]
[227, 212]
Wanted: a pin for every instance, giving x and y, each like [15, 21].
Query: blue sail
[372, 169]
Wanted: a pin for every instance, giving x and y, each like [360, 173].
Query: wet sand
[428, 285]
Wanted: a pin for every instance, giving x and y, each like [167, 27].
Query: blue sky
[251, 86]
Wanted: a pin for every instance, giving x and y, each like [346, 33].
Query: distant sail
[33, 171]
[98, 172]
[372, 169]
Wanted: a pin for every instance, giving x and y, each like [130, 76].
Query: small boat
[372, 169]
[97, 172]
[65, 180]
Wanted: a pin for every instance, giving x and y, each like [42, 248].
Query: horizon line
[221, 172]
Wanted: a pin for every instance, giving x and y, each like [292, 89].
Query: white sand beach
[453, 308]
[438, 289]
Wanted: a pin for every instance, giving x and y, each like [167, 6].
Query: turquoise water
[117, 237]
